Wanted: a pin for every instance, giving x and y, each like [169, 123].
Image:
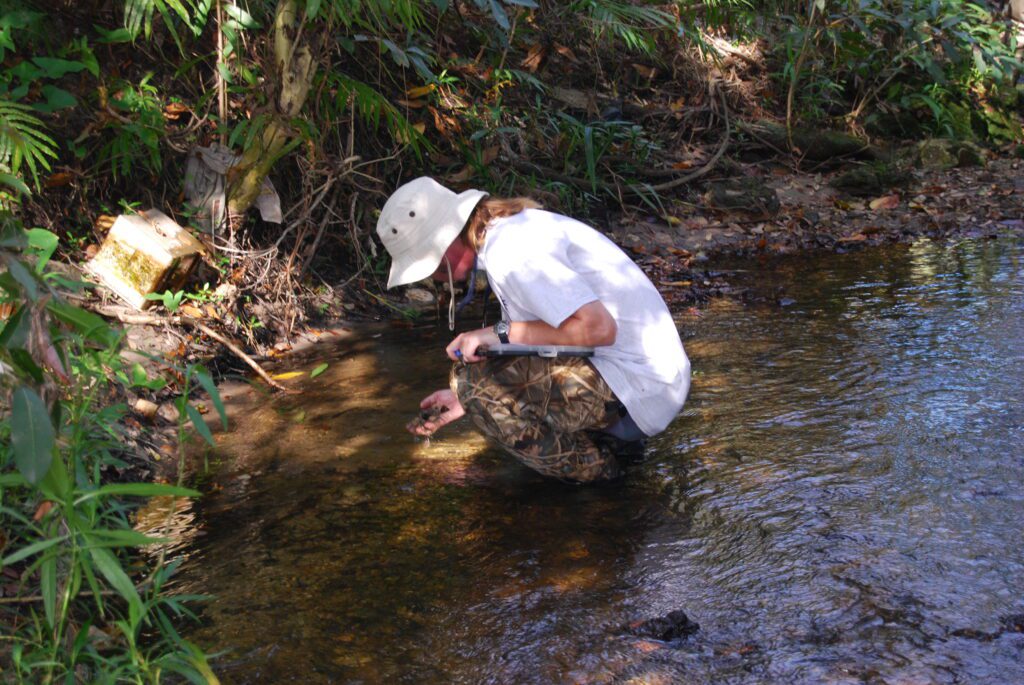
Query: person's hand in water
[436, 410]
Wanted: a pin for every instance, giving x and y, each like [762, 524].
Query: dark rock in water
[1013, 624]
[675, 625]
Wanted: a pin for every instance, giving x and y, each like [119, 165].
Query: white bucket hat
[417, 225]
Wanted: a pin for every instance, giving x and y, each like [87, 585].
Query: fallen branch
[238, 352]
[151, 320]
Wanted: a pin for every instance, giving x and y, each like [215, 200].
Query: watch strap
[501, 330]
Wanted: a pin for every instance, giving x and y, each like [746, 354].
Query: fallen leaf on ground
[489, 155]
[61, 178]
[286, 375]
[42, 510]
[855, 238]
[318, 370]
[191, 310]
[566, 52]
[647, 646]
[462, 176]
[533, 58]
[419, 92]
[174, 110]
[885, 202]
[104, 222]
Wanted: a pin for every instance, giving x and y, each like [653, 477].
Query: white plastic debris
[205, 184]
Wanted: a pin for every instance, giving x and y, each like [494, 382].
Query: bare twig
[319, 235]
[222, 93]
[152, 320]
[796, 75]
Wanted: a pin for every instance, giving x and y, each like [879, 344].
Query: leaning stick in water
[238, 352]
[150, 320]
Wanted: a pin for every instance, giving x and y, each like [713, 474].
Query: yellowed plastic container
[145, 253]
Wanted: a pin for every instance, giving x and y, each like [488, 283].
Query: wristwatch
[501, 329]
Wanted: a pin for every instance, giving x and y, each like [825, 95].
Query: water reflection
[840, 502]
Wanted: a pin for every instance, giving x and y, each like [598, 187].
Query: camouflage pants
[539, 410]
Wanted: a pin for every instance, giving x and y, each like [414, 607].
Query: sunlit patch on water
[839, 502]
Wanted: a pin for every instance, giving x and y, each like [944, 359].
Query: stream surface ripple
[840, 501]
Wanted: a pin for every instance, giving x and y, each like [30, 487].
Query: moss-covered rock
[941, 153]
[811, 144]
[872, 179]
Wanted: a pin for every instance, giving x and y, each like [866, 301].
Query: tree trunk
[295, 67]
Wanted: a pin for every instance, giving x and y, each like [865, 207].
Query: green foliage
[22, 142]
[497, 11]
[634, 24]
[372, 15]
[374, 109]
[925, 58]
[133, 136]
[87, 614]
[14, 21]
[169, 299]
[139, 16]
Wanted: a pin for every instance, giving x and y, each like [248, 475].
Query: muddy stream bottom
[840, 502]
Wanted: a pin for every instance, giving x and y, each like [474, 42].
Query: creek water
[840, 502]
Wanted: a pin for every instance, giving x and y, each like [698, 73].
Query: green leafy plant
[932, 61]
[134, 133]
[375, 110]
[170, 299]
[22, 143]
[83, 611]
[139, 16]
[633, 24]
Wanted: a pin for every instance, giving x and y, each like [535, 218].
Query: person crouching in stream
[559, 282]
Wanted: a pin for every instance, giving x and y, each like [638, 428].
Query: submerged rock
[675, 625]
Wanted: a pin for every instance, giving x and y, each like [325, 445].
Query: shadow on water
[839, 502]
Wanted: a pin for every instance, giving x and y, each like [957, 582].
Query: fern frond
[22, 140]
[139, 16]
[374, 109]
[628, 22]
[375, 15]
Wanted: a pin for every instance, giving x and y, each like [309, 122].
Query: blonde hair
[489, 209]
